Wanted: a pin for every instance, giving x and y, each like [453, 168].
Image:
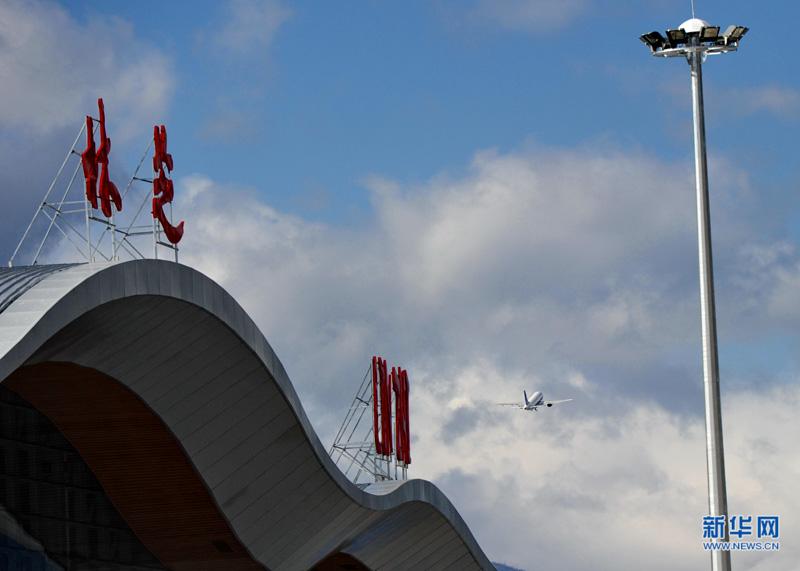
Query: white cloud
[559, 490]
[572, 272]
[770, 276]
[780, 101]
[53, 68]
[250, 24]
[529, 15]
[552, 261]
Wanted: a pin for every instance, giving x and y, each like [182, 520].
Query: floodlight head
[654, 40]
[709, 34]
[676, 37]
[694, 36]
[734, 33]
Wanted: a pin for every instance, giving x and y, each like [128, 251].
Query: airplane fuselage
[536, 399]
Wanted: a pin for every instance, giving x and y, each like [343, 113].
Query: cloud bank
[54, 67]
[568, 271]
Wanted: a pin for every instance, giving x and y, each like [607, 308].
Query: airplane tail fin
[525, 394]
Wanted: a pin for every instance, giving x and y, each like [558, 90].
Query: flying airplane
[536, 400]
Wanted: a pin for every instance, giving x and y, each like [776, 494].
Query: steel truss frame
[61, 214]
[353, 448]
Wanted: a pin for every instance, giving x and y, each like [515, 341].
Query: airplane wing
[516, 404]
[552, 402]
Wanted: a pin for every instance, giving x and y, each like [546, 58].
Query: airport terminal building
[146, 423]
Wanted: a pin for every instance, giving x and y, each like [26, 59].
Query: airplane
[536, 400]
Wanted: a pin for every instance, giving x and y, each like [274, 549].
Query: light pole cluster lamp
[695, 39]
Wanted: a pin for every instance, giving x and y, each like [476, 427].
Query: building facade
[147, 424]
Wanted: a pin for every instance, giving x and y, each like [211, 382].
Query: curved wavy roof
[172, 394]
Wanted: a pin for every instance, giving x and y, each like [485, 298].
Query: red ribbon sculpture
[375, 413]
[91, 158]
[89, 163]
[163, 189]
[401, 424]
[383, 385]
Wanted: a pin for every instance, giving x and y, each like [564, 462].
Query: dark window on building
[23, 459]
[93, 543]
[50, 495]
[24, 497]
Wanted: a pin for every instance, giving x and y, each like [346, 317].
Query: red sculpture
[89, 163]
[91, 158]
[101, 186]
[383, 385]
[161, 156]
[107, 189]
[401, 424]
[375, 416]
[405, 418]
[381, 407]
[163, 189]
[386, 410]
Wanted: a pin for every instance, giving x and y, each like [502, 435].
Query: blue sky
[345, 90]
[495, 195]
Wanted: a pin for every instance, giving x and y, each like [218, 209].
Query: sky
[496, 195]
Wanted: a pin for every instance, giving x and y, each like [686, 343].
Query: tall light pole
[695, 39]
